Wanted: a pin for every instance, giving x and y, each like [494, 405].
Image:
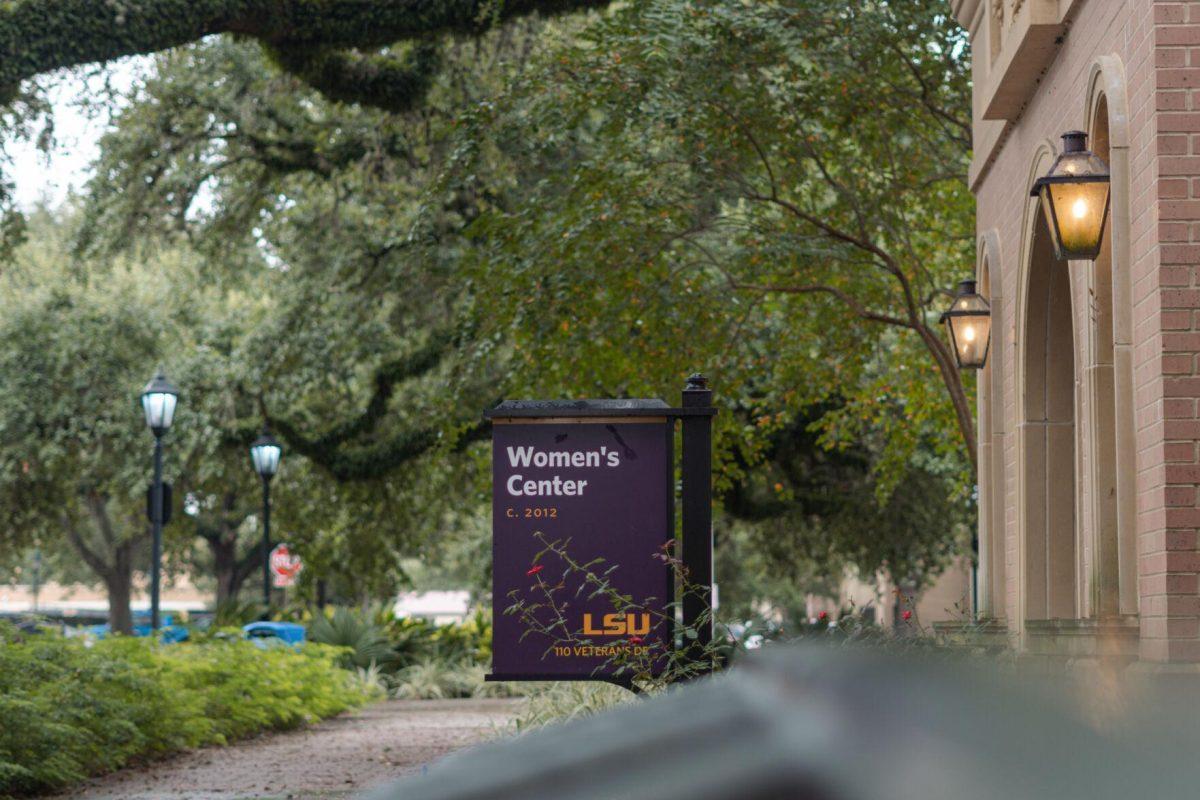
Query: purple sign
[581, 513]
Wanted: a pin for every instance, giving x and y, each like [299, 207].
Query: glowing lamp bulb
[969, 333]
[1080, 208]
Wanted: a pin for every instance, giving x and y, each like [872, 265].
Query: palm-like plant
[367, 645]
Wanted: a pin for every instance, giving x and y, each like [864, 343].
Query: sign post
[584, 536]
[697, 513]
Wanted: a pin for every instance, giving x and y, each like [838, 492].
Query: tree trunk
[119, 583]
[224, 553]
[952, 379]
[116, 573]
[247, 566]
[230, 571]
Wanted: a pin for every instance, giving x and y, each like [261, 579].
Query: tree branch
[858, 309]
[89, 556]
[38, 36]
[386, 379]
[383, 81]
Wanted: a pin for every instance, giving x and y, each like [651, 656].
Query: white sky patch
[49, 178]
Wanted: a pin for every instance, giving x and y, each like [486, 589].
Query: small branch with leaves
[647, 662]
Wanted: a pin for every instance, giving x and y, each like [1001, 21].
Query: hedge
[71, 708]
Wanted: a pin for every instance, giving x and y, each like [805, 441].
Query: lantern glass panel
[159, 408]
[970, 336]
[969, 324]
[266, 458]
[1077, 217]
[1074, 198]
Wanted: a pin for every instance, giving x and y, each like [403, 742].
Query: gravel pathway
[338, 758]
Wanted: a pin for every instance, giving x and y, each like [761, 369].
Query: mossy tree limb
[38, 36]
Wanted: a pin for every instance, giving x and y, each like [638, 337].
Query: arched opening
[1048, 435]
[1113, 502]
[1104, 595]
[992, 539]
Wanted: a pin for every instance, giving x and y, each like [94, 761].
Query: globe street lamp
[969, 322]
[1075, 199]
[158, 403]
[264, 455]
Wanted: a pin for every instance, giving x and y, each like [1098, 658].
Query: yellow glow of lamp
[1074, 197]
[969, 323]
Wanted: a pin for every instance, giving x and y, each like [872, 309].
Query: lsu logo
[618, 625]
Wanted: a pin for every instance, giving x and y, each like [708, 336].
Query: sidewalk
[340, 757]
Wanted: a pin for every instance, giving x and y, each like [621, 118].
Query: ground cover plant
[414, 658]
[72, 708]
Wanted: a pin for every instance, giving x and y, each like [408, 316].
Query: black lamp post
[969, 323]
[158, 403]
[265, 454]
[1075, 198]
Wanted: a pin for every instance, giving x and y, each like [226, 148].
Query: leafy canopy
[771, 192]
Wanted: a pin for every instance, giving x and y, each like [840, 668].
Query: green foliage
[234, 613]
[685, 185]
[434, 678]
[467, 642]
[414, 658]
[81, 340]
[562, 702]
[368, 646]
[771, 191]
[809, 507]
[360, 356]
[417, 657]
[71, 710]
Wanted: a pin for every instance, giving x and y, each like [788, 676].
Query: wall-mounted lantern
[1075, 198]
[969, 322]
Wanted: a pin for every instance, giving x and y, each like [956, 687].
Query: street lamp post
[37, 577]
[264, 455]
[158, 403]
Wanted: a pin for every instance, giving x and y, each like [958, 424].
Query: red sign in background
[285, 567]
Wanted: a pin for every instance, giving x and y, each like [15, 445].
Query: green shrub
[436, 679]
[414, 658]
[416, 640]
[559, 702]
[235, 613]
[366, 641]
[71, 708]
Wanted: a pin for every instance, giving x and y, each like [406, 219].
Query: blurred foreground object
[847, 724]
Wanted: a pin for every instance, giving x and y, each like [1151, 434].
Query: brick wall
[1158, 44]
[1170, 560]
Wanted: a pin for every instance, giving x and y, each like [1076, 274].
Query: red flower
[907, 615]
[824, 615]
[636, 639]
[534, 570]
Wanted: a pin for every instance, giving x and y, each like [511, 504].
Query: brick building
[1088, 416]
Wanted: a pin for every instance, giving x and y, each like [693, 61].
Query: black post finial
[696, 383]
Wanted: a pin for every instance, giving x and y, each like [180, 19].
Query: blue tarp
[289, 632]
[168, 633]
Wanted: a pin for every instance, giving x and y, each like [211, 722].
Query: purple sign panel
[588, 492]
